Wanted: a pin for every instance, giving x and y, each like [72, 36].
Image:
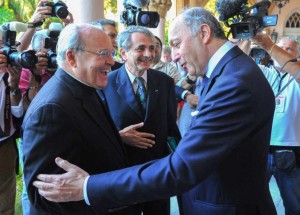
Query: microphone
[229, 8]
[291, 60]
[137, 3]
[15, 26]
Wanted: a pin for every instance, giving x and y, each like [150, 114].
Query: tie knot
[139, 80]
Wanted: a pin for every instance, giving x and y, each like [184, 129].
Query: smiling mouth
[104, 72]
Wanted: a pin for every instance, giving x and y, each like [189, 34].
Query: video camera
[243, 21]
[257, 52]
[133, 15]
[50, 42]
[59, 9]
[26, 59]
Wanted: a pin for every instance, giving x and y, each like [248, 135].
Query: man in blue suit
[67, 119]
[220, 164]
[159, 114]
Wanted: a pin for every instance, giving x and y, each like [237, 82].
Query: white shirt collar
[132, 77]
[218, 55]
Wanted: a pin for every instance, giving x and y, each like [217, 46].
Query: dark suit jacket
[223, 157]
[66, 119]
[160, 116]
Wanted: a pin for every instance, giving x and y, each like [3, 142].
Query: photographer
[32, 81]
[41, 12]
[10, 109]
[284, 154]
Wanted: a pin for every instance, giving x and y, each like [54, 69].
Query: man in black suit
[67, 118]
[220, 164]
[159, 114]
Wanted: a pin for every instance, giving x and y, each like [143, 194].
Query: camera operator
[41, 12]
[284, 155]
[11, 108]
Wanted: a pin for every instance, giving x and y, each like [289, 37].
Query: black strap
[7, 109]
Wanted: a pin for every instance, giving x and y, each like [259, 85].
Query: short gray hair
[102, 22]
[69, 38]
[166, 49]
[124, 38]
[38, 40]
[293, 39]
[195, 17]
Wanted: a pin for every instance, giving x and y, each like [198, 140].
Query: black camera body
[59, 9]
[26, 59]
[257, 52]
[135, 16]
[248, 21]
[50, 43]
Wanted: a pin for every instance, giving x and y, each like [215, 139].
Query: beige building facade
[89, 10]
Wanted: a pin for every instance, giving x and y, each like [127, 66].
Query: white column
[160, 30]
[86, 10]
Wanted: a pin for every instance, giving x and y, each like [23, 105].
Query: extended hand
[192, 100]
[65, 187]
[135, 138]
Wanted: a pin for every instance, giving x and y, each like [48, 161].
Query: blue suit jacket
[160, 116]
[65, 119]
[222, 159]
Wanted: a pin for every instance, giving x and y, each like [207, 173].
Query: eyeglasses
[105, 53]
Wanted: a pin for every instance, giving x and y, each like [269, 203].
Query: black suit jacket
[66, 119]
[222, 159]
[160, 116]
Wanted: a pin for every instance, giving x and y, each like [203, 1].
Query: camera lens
[25, 59]
[145, 19]
[61, 11]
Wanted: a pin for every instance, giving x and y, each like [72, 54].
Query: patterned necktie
[141, 93]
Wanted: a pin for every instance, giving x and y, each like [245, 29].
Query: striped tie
[141, 93]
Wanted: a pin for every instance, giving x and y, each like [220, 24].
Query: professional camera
[26, 59]
[50, 42]
[257, 52]
[135, 16]
[59, 9]
[244, 22]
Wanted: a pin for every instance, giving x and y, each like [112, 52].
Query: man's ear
[71, 59]
[205, 33]
[123, 54]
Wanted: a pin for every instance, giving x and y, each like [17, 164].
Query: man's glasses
[105, 53]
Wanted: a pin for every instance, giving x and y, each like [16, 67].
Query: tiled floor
[274, 191]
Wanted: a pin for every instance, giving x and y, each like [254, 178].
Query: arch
[292, 23]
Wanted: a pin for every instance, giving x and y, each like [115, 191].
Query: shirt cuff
[85, 196]
[183, 94]
[18, 111]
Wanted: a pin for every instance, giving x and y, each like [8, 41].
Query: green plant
[7, 15]
[18, 204]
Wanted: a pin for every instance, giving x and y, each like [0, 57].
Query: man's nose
[175, 56]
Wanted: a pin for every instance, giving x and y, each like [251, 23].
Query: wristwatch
[186, 95]
[189, 81]
[15, 92]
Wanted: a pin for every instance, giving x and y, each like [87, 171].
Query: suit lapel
[234, 52]
[125, 90]
[87, 96]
